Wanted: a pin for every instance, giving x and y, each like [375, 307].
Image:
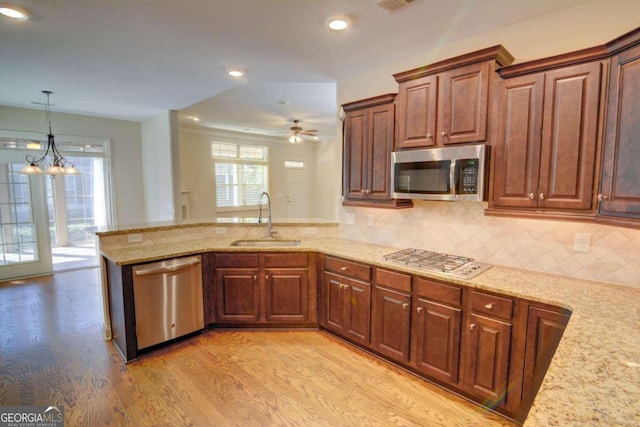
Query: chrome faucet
[269, 230]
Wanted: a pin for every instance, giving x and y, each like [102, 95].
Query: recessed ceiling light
[235, 72]
[14, 12]
[339, 23]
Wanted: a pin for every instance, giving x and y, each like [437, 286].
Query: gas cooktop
[452, 265]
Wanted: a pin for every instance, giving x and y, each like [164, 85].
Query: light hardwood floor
[52, 353]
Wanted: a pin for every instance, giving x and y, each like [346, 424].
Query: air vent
[392, 6]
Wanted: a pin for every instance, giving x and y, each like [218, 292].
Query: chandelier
[54, 162]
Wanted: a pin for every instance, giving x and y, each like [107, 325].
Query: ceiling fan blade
[309, 132]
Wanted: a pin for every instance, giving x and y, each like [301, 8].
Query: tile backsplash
[461, 228]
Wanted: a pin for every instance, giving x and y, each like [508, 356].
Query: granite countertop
[594, 378]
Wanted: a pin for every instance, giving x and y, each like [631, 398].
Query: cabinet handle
[444, 134]
[472, 326]
[266, 276]
[429, 136]
[541, 196]
[602, 197]
[344, 268]
[419, 309]
[489, 306]
[405, 305]
[255, 277]
[532, 196]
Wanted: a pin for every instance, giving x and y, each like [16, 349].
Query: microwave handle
[452, 176]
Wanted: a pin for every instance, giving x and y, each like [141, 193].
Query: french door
[25, 248]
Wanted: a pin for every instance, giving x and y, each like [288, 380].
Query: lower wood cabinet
[391, 314]
[263, 288]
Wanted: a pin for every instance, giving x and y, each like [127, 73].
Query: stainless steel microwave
[448, 173]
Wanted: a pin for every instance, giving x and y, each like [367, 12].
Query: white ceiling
[134, 59]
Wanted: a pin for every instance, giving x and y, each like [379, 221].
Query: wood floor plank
[51, 353]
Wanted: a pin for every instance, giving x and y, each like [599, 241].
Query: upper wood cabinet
[620, 189]
[447, 102]
[368, 143]
[545, 147]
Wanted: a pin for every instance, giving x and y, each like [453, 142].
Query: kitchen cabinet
[347, 299]
[447, 102]
[391, 314]
[488, 348]
[545, 326]
[436, 330]
[620, 193]
[263, 288]
[368, 143]
[546, 144]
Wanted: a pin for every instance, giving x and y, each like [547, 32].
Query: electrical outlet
[371, 221]
[582, 243]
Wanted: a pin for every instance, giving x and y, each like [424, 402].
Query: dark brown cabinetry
[447, 102]
[488, 348]
[262, 288]
[368, 142]
[391, 314]
[436, 330]
[347, 299]
[620, 192]
[546, 142]
[545, 326]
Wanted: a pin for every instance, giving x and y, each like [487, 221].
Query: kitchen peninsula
[593, 379]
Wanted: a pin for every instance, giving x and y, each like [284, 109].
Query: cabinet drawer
[237, 260]
[348, 268]
[439, 292]
[491, 305]
[393, 280]
[285, 260]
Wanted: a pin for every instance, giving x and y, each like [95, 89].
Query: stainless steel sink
[265, 243]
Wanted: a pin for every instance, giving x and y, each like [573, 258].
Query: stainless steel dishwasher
[168, 300]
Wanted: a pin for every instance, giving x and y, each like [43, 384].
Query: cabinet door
[488, 359]
[544, 330]
[381, 132]
[334, 311]
[569, 137]
[463, 96]
[357, 304]
[435, 334]
[417, 112]
[237, 295]
[516, 150]
[286, 295]
[620, 167]
[391, 318]
[355, 155]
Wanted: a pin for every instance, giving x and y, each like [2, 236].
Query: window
[241, 173]
[293, 164]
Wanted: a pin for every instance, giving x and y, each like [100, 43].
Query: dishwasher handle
[167, 269]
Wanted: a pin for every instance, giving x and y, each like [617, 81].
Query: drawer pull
[489, 306]
[472, 326]
[405, 306]
[419, 309]
[344, 268]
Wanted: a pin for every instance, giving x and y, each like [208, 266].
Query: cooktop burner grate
[452, 265]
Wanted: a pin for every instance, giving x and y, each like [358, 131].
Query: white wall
[158, 152]
[126, 153]
[198, 176]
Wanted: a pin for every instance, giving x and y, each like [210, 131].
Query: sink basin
[266, 243]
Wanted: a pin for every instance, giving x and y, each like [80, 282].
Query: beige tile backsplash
[462, 228]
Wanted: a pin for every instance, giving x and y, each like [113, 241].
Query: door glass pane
[83, 200]
[18, 239]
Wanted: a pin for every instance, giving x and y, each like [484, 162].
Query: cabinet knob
[255, 277]
[489, 306]
[602, 197]
[472, 326]
[444, 134]
[429, 136]
[405, 305]
[541, 196]
[266, 276]
[419, 309]
[532, 196]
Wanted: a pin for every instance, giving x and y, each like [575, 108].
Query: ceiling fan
[297, 132]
